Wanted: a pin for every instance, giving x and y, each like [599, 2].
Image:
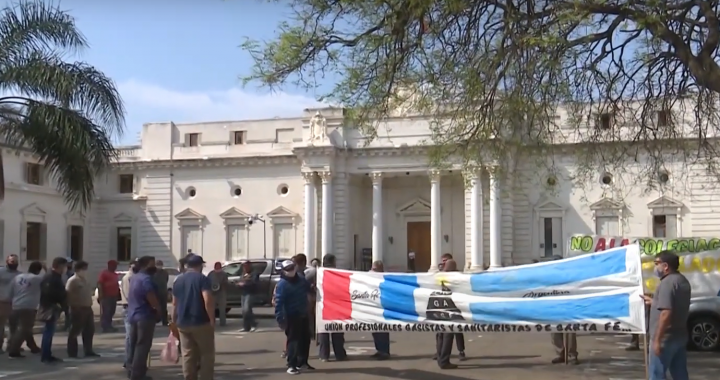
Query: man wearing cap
[143, 312]
[194, 316]
[219, 284]
[291, 313]
[108, 293]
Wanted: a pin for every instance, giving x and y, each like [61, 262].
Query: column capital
[493, 169]
[325, 176]
[434, 175]
[471, 173]
[376, 177]
[309, 177]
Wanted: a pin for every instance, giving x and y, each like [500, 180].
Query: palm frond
[73, 148]
[73, 84]
[35, 25]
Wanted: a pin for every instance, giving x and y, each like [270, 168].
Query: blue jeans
[673, 359]
[47, 339]
[128, 359]
[247, 312]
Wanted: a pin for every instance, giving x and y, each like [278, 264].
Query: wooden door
[418, 241]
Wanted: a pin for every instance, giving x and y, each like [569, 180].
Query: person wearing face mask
[80, 302]
[291, 313]
[7, 276]
[53, 299]
[669, 311]
[108, 292]
[143, 313]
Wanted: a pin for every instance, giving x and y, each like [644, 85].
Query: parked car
[704, 324]
[269, 276]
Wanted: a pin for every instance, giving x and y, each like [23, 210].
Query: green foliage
[65, 112]
[493, 74]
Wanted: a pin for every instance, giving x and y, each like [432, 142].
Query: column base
[433, 270]
[476, 269]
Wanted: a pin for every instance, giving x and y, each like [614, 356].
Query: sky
[180, 60]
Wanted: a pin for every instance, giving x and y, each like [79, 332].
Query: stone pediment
[189, 213]
[415, 206]
[607, 204]
[549, 205]
[32, 209]
[234, 213]
[665, 202]
[122, 217]
[281, 212]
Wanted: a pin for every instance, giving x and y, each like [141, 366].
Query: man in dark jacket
[337, 340]
[53, 299]
[291, 313]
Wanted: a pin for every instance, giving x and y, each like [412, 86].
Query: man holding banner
[669, 311]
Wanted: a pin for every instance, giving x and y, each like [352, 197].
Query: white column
[377, 222]
[327, 214]
[435, 221]
[310, 222]
[476, 225]
[495, 219]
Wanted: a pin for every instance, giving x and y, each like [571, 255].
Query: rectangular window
[127, 183]
[606, 121]
[76, 242]
[33, 173]
[192, 139]
[239, 137]
[665, 226]
[607, 226]
[33, 233]
[664, 118]
[124, 244]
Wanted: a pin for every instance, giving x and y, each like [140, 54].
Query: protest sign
[594, 292]
[699, 258]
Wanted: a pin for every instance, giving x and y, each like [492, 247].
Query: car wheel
[705, 334]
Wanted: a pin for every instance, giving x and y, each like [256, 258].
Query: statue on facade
[318, 126]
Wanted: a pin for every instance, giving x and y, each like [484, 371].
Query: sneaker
[92, 355]
[253, 329]
[52, 360]
[558, 360]
[307, 367]
[284, 354]
[632, 348]
[35, 351]
[461, 356]
[293, 371]
[16, 356]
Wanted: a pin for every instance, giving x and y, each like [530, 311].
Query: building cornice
[209, 162]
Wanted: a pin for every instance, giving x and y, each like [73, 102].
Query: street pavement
[256, 356]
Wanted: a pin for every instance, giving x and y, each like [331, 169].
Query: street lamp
[258, 218]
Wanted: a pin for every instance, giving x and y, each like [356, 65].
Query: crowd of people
[198, 299]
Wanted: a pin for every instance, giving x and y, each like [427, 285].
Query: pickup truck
[269, 277]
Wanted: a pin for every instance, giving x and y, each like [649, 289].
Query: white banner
[699, 258]
[595, 292]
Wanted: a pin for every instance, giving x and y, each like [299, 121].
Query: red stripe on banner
[337, 305]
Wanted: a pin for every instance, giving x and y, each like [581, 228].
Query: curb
[37, 329]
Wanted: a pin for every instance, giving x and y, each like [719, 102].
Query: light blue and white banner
[595, 292]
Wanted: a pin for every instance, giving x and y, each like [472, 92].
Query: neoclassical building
[273, 188]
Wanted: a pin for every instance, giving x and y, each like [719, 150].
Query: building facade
[274, 188]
